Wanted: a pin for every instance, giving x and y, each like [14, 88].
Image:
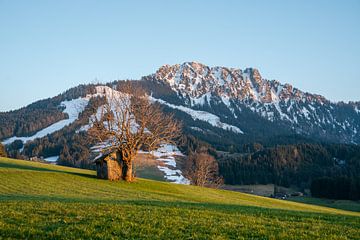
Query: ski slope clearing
[73, 108]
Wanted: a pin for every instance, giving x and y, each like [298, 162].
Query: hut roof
[101, 157]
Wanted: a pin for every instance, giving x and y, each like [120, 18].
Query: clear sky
[49, 46]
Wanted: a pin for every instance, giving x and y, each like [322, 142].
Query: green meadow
[42, 201]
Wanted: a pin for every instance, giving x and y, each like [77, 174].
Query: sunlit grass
[45, 201]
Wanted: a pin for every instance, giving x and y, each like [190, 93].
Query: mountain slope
[45, 201]
[234, 100]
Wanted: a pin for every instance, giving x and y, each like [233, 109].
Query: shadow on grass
[42, 169]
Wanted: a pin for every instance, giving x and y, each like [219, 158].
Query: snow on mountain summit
[196, 79]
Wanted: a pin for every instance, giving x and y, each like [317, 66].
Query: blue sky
[47, 47]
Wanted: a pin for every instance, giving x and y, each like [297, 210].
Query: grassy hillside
[46, 201]
[340, 204]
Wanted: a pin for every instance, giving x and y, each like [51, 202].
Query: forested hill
[291, 164]
[301, 165]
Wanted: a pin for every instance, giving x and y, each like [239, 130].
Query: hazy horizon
[48, 47]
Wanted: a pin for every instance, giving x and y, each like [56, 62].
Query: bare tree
[129, 122]
[202, 170]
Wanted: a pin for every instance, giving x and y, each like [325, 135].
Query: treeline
[189, 144]
[287, 165]
[336, 188]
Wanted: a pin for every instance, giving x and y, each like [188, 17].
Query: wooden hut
[108, 166]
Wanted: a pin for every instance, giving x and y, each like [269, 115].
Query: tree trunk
[128, 171]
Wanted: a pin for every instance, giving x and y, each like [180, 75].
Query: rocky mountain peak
[219, 88]
[196, 79]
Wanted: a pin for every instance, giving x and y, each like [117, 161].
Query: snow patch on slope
[306, 113]
[357, 110]
[166, 154]
[282, 115]
[52, 159]
[202, 116]
[197, 129]
[202, 100]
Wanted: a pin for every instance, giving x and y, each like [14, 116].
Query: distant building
[108, 166]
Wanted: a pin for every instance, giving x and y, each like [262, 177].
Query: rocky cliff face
[195, 80]
[204, 87]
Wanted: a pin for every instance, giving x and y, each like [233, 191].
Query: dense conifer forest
[301, 165]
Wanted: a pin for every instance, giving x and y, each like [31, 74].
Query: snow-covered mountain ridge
[198, 80]
[201, 86]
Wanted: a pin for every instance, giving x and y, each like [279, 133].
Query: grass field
[340, 204]
[40, 201]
